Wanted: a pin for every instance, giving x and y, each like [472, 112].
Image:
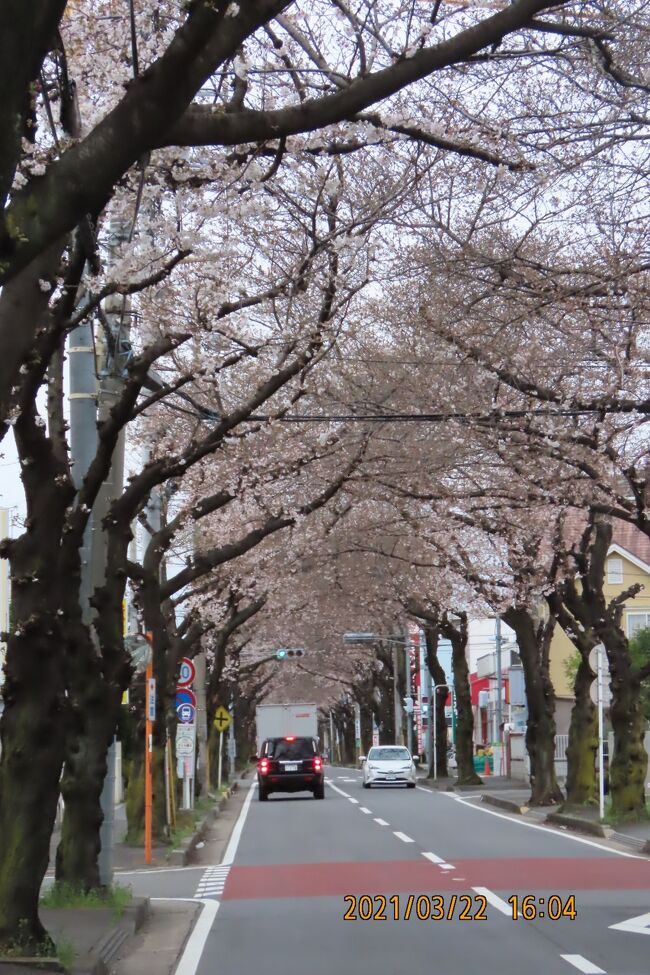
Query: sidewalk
[145, 938]
[124, 857]
[513, 797]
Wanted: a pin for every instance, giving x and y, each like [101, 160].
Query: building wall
[562, 649]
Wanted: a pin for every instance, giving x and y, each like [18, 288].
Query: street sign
[185, 739]
[185, 697]
[593, 658]
[187, 673]
[185, 747]
[607, 692]
[186, 713]
[151, 699]
[222, 718]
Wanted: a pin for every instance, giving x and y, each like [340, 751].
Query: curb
[579, 825]
[99, 960]
[181, 856]
[508, 804]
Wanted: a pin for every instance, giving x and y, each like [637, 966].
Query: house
[628, 563]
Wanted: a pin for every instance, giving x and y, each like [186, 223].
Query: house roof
[630, 538]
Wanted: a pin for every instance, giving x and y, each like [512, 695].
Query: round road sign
[184, 747]
[187, 673]
[185, 696]
[186, 713]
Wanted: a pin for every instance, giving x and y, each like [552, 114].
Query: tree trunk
[629, 764]
[431, 636]
[94, 720]
[135, 798]
[534, 642]
[583, 742]
[465, 718]
[33, 735]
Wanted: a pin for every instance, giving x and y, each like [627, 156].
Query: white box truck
[280, 720]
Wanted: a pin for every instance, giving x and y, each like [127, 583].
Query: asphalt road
[277, 902]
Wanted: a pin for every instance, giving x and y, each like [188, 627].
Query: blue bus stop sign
[186, 713]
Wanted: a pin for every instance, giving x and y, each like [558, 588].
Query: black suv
[290, 765]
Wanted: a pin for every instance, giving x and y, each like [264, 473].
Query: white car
[390, 765]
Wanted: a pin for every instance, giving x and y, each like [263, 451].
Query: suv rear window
[280, 748]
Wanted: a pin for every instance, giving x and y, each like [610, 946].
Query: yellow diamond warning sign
[222, 718]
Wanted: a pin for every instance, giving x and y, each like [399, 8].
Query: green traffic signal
[281, 654]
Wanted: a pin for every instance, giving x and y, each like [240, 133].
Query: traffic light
[283, 654]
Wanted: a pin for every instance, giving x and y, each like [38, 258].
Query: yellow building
[628, 563]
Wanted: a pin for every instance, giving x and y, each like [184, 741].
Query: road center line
[364, 810]
[382, 822]
[583, 965]
[494, 900]
[402, 836]
[433, 858]
[355, 801]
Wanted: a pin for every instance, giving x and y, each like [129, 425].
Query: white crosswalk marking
[212, 882]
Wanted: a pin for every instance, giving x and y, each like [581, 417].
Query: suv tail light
[263, 766]
[318, 764]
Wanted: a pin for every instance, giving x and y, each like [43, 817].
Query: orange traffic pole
[148, 758]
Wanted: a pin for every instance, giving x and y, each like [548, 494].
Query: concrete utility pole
[231, 742]
[114, 351]
[497, 641]
[409, 694]
[202, 774]
[396, 697]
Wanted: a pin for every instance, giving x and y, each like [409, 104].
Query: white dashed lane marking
[212, 882]
[402, 836]
[583, 965]
[494, 900]
[382, 822]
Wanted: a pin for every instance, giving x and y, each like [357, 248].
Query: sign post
[601, 755]
[186, 729]
[150, 715]
[601, 697]
[222, 719]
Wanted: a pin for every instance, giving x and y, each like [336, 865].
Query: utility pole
[396, 698]
[497, 641]
[202, 765]
[231, 742]
[409, 695]
[114, 351]
[429, 688]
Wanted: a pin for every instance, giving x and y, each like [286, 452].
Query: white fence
[561, 745]
[520, 763]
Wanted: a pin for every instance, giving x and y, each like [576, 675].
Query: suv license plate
[290, 768]
[391, 778]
